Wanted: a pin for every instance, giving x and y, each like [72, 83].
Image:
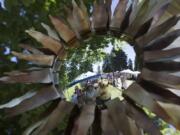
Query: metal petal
[173, 111]
[64, 31]
[31, 49]
[146, 10]
[162, 41]
[36, 76]
[157, 31]
[144, 28]
[84, 121]
[141, 97]
[162, 78]
[107, 125]
[163, 66]
[119, 15]
[82, 19]
[142, 120]
[160, 93]
[125, 22]
[57, 116]
[50, 31]
[163, 55]
[29, 130]
[46, 41]
[16, 101]
[118, 114]
[36, 58]
[43, 96]
[100, 16]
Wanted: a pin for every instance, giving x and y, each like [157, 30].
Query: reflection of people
[104, 94]
[123, 82]
[79, 93]
[90, 93]
[74, 98]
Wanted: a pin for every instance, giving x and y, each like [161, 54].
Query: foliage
[117, 61]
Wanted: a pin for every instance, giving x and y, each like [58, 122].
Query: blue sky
[2, 3]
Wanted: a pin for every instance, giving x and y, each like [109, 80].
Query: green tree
[117, 61]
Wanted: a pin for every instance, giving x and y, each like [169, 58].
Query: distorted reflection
[110, 78]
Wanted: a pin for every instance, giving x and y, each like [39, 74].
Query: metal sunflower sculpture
[156, 88]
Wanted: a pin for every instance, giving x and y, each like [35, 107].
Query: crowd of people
[97, 90]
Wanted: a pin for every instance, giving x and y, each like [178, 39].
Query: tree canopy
[117, 61]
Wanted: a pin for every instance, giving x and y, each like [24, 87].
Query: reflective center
[101, 73]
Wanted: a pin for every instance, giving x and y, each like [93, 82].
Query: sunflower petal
[36, 76]
[100, 16]
[46, 41]
[57, 116]
[119, 15]
[162, 55]
[36, 58]
[85, 120]
[157, 31]
[163, 78]
[43, 96]
[50, 32]
[64, 31]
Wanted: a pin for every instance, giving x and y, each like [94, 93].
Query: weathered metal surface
[84, 121]
[35, 76]
[140, 96]
[141, 119]
[138, 20]
[174, 7]
[160, 93]
[157, 31]
[36, 58]
[163, 78]
[163, 66]
[46, 41]
[57, 116]
[81, 18]
[52, 33]
[42, 96]
[100, 16]
[146, 10]
[64, 31]
[143, 29]
[161, 55]
[31, 49]
[107, 124]
[162, 41]
[119, 118]
[119, 14]
[125, 22]
[173, 111]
